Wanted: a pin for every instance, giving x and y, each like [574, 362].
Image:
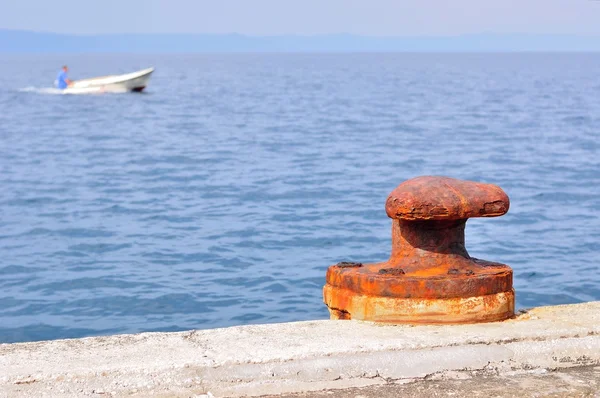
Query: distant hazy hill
[26, 42]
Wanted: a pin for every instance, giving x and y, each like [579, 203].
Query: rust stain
[430, 277]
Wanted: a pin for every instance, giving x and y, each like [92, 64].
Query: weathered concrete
[564, 383]
[295, 357]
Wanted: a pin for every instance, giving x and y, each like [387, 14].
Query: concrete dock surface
[557, 342]
[578, 382]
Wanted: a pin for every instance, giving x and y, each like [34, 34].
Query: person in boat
[62, 81]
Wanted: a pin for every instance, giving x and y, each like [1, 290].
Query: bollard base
[345, 304]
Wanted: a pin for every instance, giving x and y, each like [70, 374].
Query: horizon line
[301, 35]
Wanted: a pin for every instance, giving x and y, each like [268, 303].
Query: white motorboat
[135, 81]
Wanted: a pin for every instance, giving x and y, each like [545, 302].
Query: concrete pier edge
[292, 357]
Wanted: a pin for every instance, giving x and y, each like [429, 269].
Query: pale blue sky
[272, 17]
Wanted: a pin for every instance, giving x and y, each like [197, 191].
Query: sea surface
[221, 195]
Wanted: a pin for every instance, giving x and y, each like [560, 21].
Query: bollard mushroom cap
[445, 198]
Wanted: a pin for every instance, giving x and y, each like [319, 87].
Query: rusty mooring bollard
[430, 277]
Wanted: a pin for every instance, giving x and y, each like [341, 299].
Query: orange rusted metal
[429, 277]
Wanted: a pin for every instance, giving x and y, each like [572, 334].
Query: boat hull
[130, 82]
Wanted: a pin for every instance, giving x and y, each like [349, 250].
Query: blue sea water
[220, 196]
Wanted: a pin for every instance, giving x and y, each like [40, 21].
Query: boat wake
[40, 90]
[71, 91]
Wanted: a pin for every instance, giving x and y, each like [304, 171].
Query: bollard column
[430, 277]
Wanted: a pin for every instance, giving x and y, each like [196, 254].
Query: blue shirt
[61, 80]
